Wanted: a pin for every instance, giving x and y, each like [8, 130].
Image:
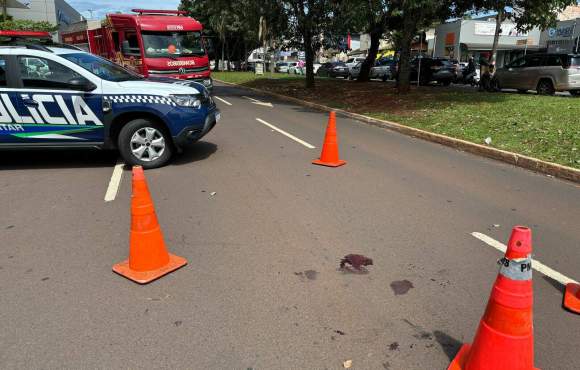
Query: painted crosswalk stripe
[222, 100]
[309, 146]
[115, 182]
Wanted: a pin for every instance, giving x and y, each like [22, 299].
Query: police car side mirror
[81, 84]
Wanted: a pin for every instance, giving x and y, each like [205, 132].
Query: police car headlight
[207, 82]
[191, 101]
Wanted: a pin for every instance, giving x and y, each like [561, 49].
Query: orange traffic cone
[148, 257]
[505, 338]
[329, 156]
[572, 297]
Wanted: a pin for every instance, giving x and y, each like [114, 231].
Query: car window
[133, 43]
[2, 72]
[534, 60]
[555, 61]
[351, 60]
[43, 73]
[575, 62]
[520, 62]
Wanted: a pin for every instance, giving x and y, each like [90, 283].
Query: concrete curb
[519, 160]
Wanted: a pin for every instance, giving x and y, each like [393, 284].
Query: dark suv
[433, 70]
[545, 73]
[333, 69]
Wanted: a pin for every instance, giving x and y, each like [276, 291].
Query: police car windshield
[102, 68]
[172, 44]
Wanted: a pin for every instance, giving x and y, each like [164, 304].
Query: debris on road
[488, 140]
[347, 364]
[213, 193]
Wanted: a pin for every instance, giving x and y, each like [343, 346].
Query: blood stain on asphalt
[311, 274]
[394, 346]
[340, 332]
[401, 287]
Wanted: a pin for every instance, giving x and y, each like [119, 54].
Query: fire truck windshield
[102, 68]
[172, 44]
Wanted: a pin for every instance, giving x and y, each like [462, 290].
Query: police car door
[57, 105]
[8, 126]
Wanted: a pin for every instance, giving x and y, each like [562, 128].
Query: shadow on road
[56, 158]
[449, 344]
[561, 288]
[193, 153]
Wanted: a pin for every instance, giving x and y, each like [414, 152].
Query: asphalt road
[262, 289]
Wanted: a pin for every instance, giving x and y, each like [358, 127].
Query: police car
[61, 96]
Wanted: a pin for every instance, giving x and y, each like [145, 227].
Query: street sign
[259, 68]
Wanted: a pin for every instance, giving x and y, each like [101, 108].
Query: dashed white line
[537, 265]
[222, 100]
[309, 146]
[115, 182]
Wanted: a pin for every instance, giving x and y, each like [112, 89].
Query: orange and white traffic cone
[505, 337]
[572, 297]
[329, 156]
[148, 256]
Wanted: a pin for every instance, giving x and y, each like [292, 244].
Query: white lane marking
[309, 146]
[115, 182]
[258, 102]
[537, 265]
[222, 100]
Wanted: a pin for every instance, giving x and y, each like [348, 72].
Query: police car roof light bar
[159, 12]
[15, 43]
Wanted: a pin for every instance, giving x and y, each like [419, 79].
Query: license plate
[218, 116]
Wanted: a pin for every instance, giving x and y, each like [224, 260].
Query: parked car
[351, 62]
[545, 73]
[384, 69]
[333, 69]
[281, 67]
[301, 70]
[354, 71]
[296, 67]
[292, 67]
[433, 70]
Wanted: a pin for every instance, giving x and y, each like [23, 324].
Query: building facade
[474, 38]
[52, 11]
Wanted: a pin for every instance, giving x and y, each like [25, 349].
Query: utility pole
[4, 10]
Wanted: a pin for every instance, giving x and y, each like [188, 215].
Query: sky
[101, 8]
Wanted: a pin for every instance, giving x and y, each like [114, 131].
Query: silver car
[545, 73]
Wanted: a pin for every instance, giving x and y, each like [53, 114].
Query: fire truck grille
[178, 71]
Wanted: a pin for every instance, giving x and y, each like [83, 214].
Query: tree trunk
[223, 54]
[309, 54]
[4, 10]
[404, 78]
[365, 70]
[498, 21]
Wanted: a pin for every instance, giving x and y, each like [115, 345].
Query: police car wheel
[145, 143]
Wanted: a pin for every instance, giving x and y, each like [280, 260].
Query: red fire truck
[154, 43]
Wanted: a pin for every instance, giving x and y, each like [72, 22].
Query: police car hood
[155, 88]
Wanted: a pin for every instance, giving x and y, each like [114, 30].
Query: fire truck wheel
[145, 143]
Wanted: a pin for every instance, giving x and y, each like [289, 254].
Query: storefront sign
[561, 32]
[507, 29]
